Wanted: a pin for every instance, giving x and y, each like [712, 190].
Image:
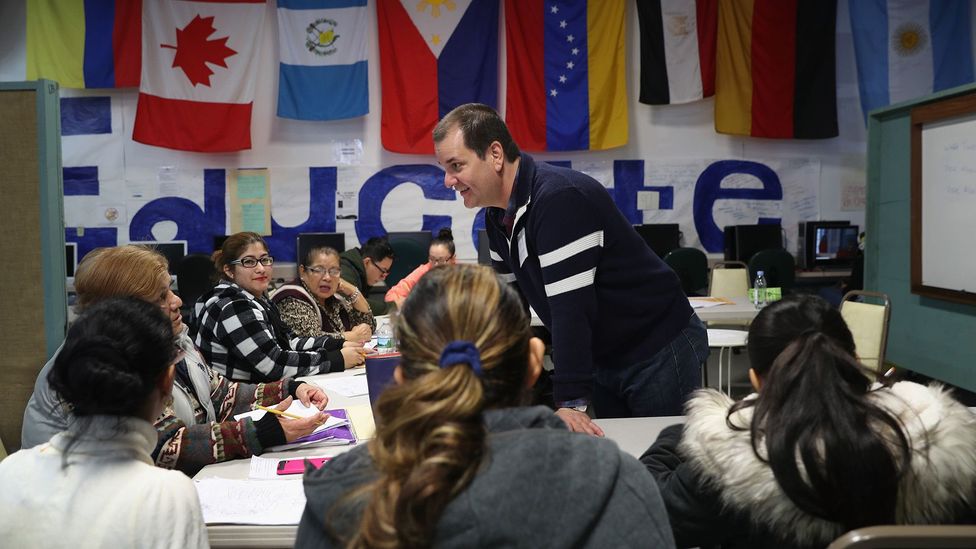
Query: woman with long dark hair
[818, 450]
[459, 461]
[95, 484]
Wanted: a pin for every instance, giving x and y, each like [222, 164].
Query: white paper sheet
[349, 386]
[225, 501]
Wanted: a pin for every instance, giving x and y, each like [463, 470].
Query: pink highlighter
[297, 466]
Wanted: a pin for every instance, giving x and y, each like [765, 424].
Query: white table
[740, 310]
[633, 435]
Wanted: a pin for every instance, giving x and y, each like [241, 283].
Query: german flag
[775, 69]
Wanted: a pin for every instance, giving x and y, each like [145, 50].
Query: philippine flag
[567, 89]
[198, 65]
[909, 48]
[322, 75]
[434, 56]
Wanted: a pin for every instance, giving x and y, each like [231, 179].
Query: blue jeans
[658, 386]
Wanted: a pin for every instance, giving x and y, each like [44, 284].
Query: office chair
[868, 323]
[728, 279]
[407, 256]
[691, 266]
[778, 266]
[929, 536]
[195, 274]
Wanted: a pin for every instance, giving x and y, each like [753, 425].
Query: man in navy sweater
[625, 340]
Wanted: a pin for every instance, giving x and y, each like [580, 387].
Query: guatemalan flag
[198, 72]
[434, 56]
[909, 48]
[322, 75]
[84, 43]
[566, 84]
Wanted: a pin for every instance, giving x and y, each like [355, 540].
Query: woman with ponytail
[94, 484]
[459, 461]
[818, 450]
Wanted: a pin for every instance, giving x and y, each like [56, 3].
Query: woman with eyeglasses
[441, 254]
[94, 484]
[319, 302]
[241, 332]
[197, 426]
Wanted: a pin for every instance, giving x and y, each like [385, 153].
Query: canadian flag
[198, 64]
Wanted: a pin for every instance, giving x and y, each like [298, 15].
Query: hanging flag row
[566, 81]
[771, 63]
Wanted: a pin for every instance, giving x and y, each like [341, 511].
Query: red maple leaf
[194, 50]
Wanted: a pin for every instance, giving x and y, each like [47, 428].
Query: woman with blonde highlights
[459, 461]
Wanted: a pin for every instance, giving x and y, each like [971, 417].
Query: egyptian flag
[775, 68]
[677, 50]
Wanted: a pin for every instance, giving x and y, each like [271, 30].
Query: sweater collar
[103, 435]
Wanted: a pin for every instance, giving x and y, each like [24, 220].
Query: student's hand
[578, 422]
[297, 428]
[360, 333]
[312, 395]
[353, 356]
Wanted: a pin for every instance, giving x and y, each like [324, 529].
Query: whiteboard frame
[940, 111]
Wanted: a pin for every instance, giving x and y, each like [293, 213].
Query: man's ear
[497, 155]
[533, 366]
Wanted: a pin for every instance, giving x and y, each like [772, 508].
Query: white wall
[658, 135]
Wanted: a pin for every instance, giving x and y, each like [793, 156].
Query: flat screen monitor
[307, 241]
[834, 246]
[743, 241]
[218, 241]
[174, 251]
[660, 237]
[484, 251]
[70, 258]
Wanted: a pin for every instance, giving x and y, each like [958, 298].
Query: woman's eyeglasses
[440, 260]
[251, 262]
[321, 271]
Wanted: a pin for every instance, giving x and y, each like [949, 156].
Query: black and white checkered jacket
[243, 338]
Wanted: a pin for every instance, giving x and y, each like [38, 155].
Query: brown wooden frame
[924, 114]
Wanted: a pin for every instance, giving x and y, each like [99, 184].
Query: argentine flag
[909, 48]
[322, 74]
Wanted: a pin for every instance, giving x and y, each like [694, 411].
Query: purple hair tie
[461, 352]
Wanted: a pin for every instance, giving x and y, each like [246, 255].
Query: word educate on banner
[199, 225]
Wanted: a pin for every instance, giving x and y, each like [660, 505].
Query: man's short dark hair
[377, 248]
[481, 126]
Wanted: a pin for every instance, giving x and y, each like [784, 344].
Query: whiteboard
[948, 205]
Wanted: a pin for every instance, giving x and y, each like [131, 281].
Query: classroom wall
[668, 152]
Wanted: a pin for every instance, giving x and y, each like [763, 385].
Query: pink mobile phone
[297, 466]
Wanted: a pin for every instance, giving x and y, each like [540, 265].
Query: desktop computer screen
[835, 246]
[174, 251]
[70, 258]
[660, 237]
[307, 241]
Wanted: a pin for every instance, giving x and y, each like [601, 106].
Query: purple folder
[342, 434]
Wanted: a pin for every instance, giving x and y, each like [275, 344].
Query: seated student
[364, 267]
[240, 332]
[441, 253]
[94, 485]
[319, 302]
[196, 427]
[818, 451]
[458, 461]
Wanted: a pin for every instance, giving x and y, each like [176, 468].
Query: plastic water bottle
[759, 286]
[385, 343]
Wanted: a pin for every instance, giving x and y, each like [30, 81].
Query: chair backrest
[195, 274]
[729, 279]
[868, 323]
[778, 266]
[407, 255]
[691, 266]
[929, 536]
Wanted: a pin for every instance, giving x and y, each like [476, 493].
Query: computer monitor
[834, 246]
[218, 241]
[743, 241]
[174, 251]
[484, 251]
[660, 237]
[808, 241]
[70, 258]
[306, 241]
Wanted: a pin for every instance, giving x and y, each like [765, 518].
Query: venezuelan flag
[566, 84]
[85, 43]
